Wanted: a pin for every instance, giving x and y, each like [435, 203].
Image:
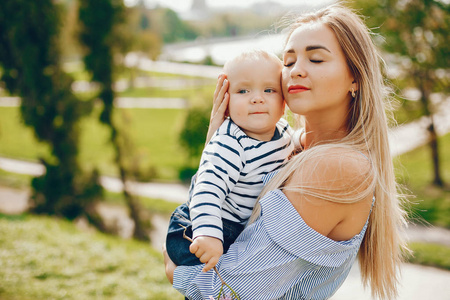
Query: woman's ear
[355, 86]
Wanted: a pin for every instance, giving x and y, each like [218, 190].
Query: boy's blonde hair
[381, 253]
[252, 55]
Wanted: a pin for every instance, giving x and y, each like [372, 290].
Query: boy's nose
[257, 99]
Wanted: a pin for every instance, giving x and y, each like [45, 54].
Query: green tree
[416, 31]
[166, 23]
[30, 57]
[192, 138]
[142, 41]
[99, 36]
[68, 41]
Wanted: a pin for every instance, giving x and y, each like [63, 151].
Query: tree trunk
[141, 223]
[433, 138]
[437, 180]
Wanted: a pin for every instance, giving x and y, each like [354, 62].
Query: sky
[184, 5]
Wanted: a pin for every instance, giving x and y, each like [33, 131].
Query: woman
[334, 199]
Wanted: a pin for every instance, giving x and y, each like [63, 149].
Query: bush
[193, 134]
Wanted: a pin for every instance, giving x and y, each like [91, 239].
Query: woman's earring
[353, 93]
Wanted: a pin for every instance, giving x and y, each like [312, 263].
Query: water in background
[221, 50]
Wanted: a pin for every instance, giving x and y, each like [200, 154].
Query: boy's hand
[208, 250]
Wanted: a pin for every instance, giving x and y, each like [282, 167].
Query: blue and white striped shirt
[229, 179]
[277, 257]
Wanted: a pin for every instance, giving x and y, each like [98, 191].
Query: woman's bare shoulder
[330, 188]
[338, 164]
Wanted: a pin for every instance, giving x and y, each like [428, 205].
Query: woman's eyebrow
[309, 48]
[315, 47]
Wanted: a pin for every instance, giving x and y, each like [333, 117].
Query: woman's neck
[322, 129]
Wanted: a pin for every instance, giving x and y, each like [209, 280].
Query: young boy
[254, 141]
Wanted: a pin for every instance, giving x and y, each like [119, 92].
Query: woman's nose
[298, 70]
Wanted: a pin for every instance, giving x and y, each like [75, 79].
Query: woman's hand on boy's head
[208, 250]
[220, 106]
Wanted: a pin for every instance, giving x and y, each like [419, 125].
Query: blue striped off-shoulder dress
[277, 257]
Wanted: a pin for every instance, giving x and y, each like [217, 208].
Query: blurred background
[104, 108]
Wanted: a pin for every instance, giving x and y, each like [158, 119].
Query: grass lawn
[46, 258]
[434, 255]
[415, 171]
[16, 139]
[153, 132]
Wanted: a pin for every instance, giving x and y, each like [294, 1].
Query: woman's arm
[220, 106]
[170, 266]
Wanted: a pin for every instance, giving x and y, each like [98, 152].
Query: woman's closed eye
[313, 60]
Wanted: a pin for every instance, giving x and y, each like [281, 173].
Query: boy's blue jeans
[178, 247]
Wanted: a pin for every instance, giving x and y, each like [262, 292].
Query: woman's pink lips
[293, 89]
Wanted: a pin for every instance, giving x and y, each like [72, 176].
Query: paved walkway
[174, 68]
[416, 283]
[122, 102]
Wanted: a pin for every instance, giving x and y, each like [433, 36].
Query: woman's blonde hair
[381, 251]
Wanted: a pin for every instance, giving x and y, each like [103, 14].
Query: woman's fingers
[219, 94]
[220, 106]
[221, 110]
[219, 84]
[217, 118]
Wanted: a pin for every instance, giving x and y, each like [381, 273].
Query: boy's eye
[269, 90]
[242, 91]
